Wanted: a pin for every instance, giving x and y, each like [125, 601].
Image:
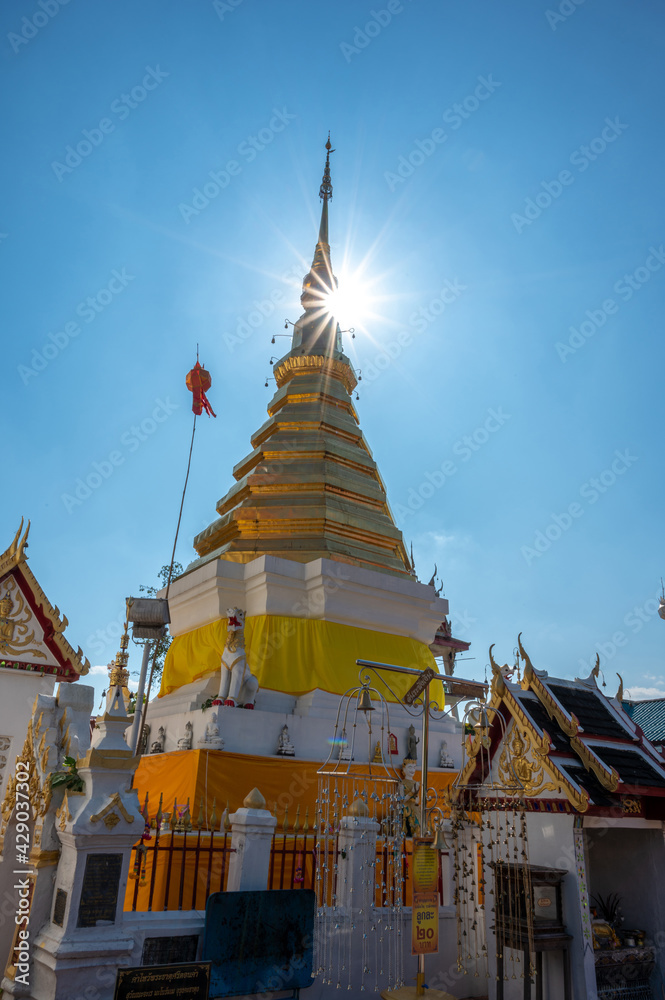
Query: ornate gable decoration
[527, 755]
[31, 628]
[530, 747]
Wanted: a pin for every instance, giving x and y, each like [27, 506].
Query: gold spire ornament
[118, 672]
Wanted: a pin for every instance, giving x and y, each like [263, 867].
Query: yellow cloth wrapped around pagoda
[297, 655]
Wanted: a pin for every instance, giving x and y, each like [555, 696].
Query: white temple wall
[551, 843]
[19, 690]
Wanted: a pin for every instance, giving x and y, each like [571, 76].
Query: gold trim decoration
[43, 859]
[531, 682]
[63, 814]
[578, 798]
[115, 802]
[119, 760]
[16, 636]
[39, 794]
[607, 776]
[315, 364]
[15, 557]
[530, 775]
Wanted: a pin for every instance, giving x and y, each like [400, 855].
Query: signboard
[425, 923]
[425, 905]
[419, 685]
[59, 907]
[259, 942]
[425, 866]
[186, 982]
[99, 893]
[170, 950]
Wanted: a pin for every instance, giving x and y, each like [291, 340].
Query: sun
[351, 304]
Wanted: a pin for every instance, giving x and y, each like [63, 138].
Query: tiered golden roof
[310, 488]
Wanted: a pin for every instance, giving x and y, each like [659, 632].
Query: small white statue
[285, 747]
[445, 760]
[238, 685]
[344, 748]
[185, 742]
[212, 739]
[158, 745]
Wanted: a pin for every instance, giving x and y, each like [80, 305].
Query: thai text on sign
[425, 923]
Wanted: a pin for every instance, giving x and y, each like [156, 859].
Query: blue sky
[497, 201]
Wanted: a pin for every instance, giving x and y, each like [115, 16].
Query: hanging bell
[439, 842]
[273, 340]
[364, 701]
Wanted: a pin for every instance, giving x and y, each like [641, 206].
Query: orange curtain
[208, 779]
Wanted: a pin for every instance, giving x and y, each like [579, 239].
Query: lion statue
[238, 686]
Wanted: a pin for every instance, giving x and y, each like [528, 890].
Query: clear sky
[497, 215]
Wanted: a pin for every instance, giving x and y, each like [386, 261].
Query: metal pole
[135, 732]
[420, 978]
[423, 765]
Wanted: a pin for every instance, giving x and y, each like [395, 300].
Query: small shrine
[34, 653]
[592, 792]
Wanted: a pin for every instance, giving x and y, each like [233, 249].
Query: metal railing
[175, 866]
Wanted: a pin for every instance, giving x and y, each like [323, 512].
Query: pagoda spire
[325, 193]
[317, 331]
[310, 488]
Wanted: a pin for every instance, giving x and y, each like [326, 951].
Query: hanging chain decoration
[360, 870]
[492, 885]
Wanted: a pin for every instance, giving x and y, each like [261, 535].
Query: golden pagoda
[310, 488]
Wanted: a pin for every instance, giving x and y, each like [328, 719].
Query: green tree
[164, 643]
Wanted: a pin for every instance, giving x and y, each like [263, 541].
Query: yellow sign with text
[425, 923]
[425, 866]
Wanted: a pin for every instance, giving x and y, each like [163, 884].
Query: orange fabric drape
[209, 779]
[222, 776]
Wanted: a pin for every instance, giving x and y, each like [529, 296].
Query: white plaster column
[75, 950]
[252, 829]
[356, 844]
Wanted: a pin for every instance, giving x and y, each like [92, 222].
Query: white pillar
[79, 948]
[356, 844]
[252, 829]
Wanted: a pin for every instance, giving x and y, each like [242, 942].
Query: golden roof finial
[326, 189]
[118, 672]
[325, 193]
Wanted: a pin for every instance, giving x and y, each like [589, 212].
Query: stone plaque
[170, 950]
[59, 907]
[99, 894]
[186, 982]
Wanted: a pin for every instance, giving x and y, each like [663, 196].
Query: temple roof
[310, 487]
[31, 628]
[649, 716]
[579, 742]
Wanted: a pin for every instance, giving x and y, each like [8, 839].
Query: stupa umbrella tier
[310, 487]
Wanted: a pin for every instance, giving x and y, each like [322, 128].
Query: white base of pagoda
[310, 718]
[321, 589]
